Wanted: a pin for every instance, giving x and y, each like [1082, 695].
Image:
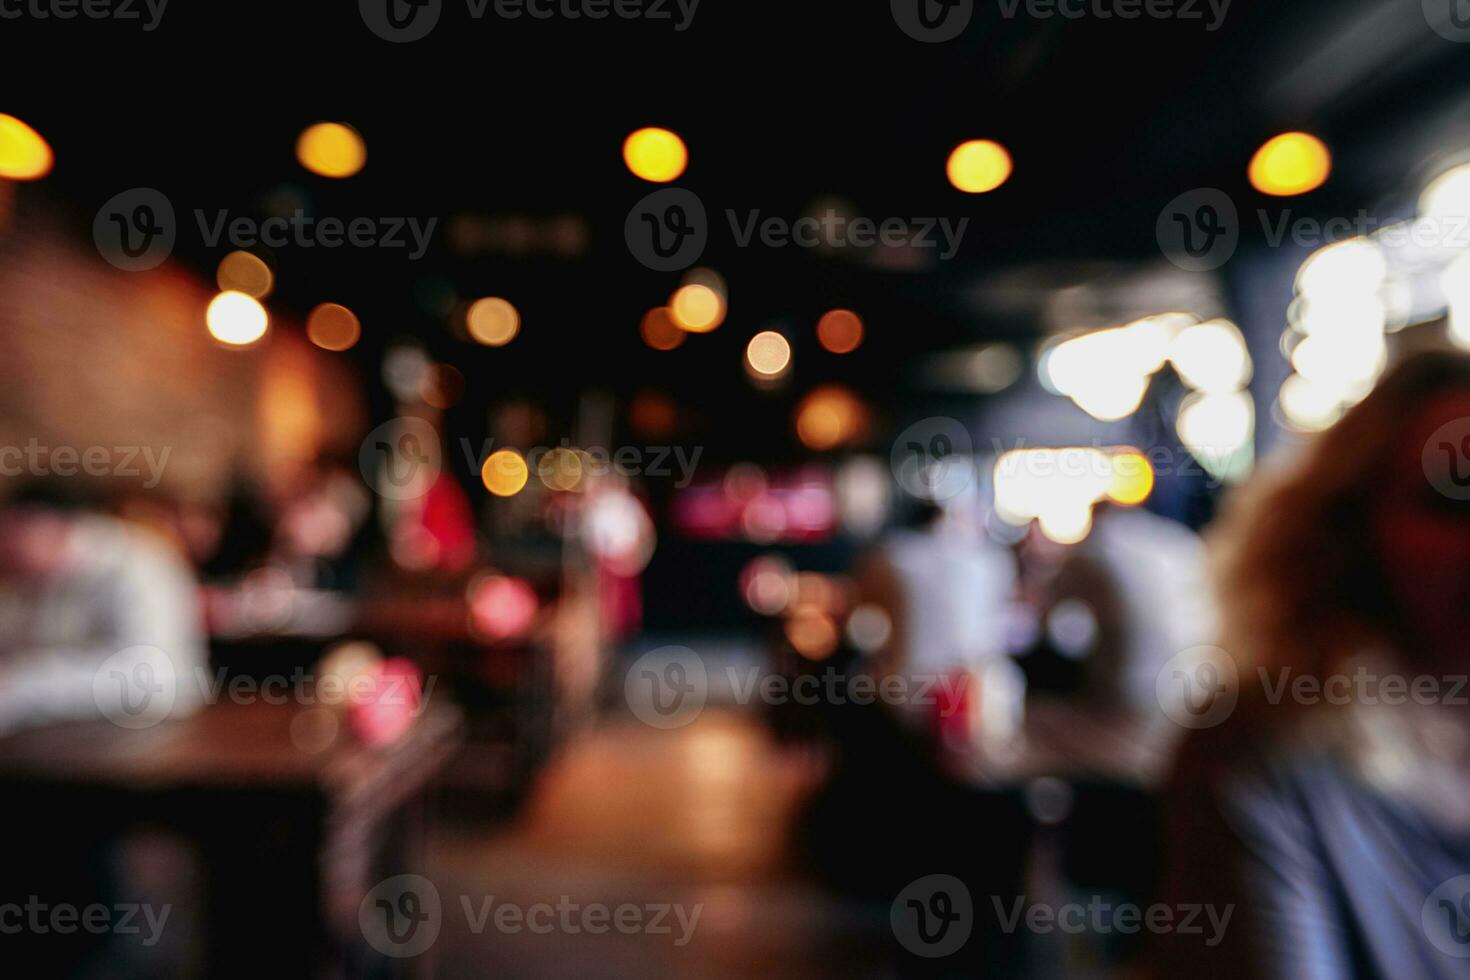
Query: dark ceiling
[781, 104]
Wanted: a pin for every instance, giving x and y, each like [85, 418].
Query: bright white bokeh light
[1341, 314]
[1211, 357]
[1066, 525]
[1354, 267]
[236, 318]
[1214, 427]
[1108, 399]
[1343, 362]
[1307, 405]
[1454, 282]
[1107, 372]
[1055, 487]
[1448, 195]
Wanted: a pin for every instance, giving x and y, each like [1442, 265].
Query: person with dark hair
[90, 605]
[1325, 796]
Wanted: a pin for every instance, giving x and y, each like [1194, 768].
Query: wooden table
[292, 832]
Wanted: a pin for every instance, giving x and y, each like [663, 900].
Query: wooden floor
[699, 816]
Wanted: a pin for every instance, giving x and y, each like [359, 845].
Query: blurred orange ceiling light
[236, 319]
[659, 330]
[561, 469]
[768, 354]
[655, 154]
[493, 321]
[504, 473]
[977, 166]
[245, 273]
[697, 308]
[332, 326]
[1292, 163]
[829, 416]
[812, 633]
[840, 331]
[331, 149]
[24, 155]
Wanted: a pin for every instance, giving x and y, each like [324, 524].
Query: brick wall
[94, 356]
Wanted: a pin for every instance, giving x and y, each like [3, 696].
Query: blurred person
[892, 809]
[80, 591]
[1129, 596]
[946, 590]
[1338, 826]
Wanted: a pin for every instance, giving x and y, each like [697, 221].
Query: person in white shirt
[947, 590]
[98, 618]
[1145, 578]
